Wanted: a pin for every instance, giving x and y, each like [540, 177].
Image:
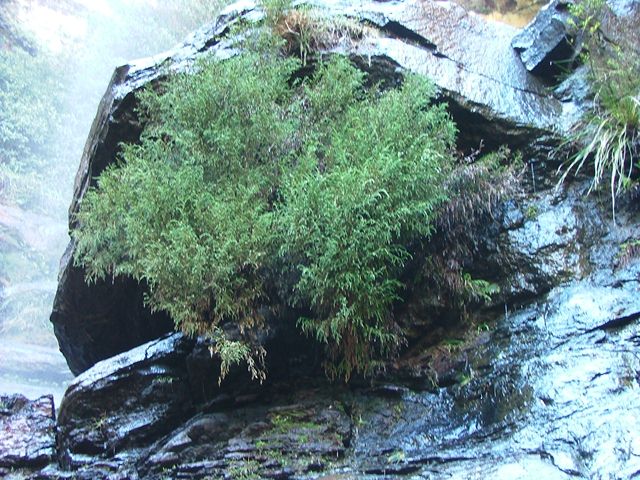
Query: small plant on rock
[608, 139]
[306, 30]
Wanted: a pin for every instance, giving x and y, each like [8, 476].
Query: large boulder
[545, 388]
[492, 97]
[542, 383]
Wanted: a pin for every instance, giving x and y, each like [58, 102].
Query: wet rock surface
[541, 387]
[545, 240]
[472, 62]
[27, 432]
[527, 405]
[259, 439]
[543, 383]
[552, 41]
[97, 321]
[125, 402]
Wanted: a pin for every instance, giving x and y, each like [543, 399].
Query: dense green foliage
[249, 189]
[609, 138]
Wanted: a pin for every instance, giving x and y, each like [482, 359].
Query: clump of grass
[305, 30]
[608, 139]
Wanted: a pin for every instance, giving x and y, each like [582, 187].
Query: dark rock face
[98, 321]
[544, 240]
[545, 388]
[482, 78]
[94, 322]
[267, 442]
[545, 44]
[552, 41]
[27, 432]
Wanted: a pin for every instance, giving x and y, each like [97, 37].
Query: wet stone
[545, 44]
[27, 432]
[277, 441]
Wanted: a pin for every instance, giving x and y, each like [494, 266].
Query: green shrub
[349, 221]
[248, 189]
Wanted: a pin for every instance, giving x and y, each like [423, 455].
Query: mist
[56, 60]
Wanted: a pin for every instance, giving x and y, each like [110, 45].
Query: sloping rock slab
[282, 441]
[27, 432]
[491, 96]
[94, 322]
[125, 402]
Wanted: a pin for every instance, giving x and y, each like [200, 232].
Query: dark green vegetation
[247, 188]
[608, 140]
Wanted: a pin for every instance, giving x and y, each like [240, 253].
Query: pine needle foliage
[245, 179]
